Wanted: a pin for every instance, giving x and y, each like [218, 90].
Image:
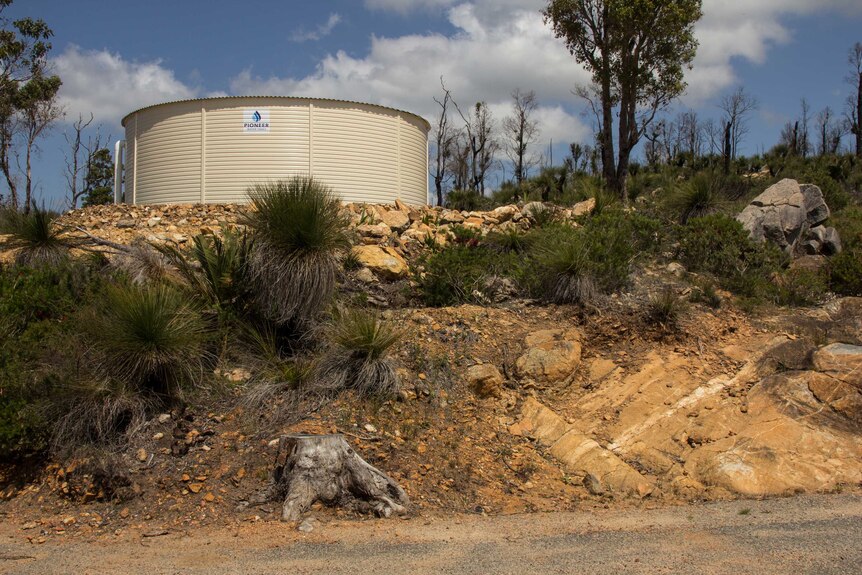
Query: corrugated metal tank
[211, 150]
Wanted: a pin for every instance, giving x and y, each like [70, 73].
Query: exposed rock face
[579, 453]
[552, 355]
[791, 215]
[485, 380]
[384, 262]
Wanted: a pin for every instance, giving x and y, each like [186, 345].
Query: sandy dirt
[811, 534]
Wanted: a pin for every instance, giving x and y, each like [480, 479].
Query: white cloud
[485, 59]
[406, 6]
[321, 31]
[110, 87]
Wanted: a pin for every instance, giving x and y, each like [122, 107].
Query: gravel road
[801, 535]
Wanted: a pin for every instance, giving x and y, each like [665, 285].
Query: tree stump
[325, 468]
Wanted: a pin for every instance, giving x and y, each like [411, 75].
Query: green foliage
[665, 308]
[699, 196]
[705, 292]
[541, 214]
[845, 272]
[148, 337]
[35, 235]
[510, 240]
[99, 178]
[457, 273]
[575, 264]
[216, 268]
[465, 201]
[800, 287]
[298, 226]
[34, 334]
[718, 245]
[359, 341]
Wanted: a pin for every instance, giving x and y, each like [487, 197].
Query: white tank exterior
[211, 150]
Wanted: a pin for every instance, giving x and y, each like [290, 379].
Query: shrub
[508, 241]
[800, 287]
[719, 245]
[665, 308]
[704, 292]
[845, 272]
[216, 268]
[147, 337]
[458, 273]
[541, 214]
[35, 235]
[360, 341]
[298, 226]
[699, 196]
[466, 201]
[575, 264]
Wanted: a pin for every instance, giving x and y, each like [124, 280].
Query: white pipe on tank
[119, 148]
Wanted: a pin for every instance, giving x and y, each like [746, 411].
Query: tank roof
[294, 98]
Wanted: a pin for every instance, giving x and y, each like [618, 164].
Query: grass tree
[298, 226]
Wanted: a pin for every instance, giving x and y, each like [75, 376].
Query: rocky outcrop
[551, 355]
[791, 215]
[580, 454]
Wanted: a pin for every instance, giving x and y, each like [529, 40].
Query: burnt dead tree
[310, 468]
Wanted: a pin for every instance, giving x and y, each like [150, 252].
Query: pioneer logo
[255, 121]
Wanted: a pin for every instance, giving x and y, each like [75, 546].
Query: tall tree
[520, 131]
[637, 51]
[99, 178]
[443, 141]
[736, 107]
[829, 132]
[853, 111]
[479, 130]
[37, 111]
[74, 163]
[24, 48]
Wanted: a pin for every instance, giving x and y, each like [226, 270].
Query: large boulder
[791, 215]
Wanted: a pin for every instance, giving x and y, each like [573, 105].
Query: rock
[789, 215]
[552, 355]
[677, 269]
[164, 417]
[579, 453]
[141, 455]
[485, 380]
[125, 224]
[395, 219]
[601, 368]
[840, 361]
[195, 487]
[365, 275]
[499, 289]
[505, 213]
[385, 262]
[593, 485]
[584, 208]
[369, 428]
[380, 230]
[307, 525]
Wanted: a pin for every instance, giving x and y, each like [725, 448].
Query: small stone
[370, 428]
[593, 485]
[164, 417]
[141, 455]
[196, 487]
[307, 526]
[209, 497]
[124, 513]
[158, 435]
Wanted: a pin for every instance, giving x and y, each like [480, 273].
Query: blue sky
[117, 57]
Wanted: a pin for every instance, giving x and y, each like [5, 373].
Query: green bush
[799, 288]
[845, 272]
[35, 335]
[35, 235]
[574, 264]
[147, 337]
[457, 273]
[359, 341]
[720, 246]
[699, 196]
[466, 201]
[298, 226]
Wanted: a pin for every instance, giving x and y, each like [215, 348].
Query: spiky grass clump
[695, 198]
[104, 413]
[665, 309]
[216, 267]
[360, 341]
[35, 235]
[541, 214]
[148, 337]
[144, 263]
[298, 226]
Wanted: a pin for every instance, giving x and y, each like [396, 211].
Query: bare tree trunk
[28, 189]
[858, 132]
[325, 468]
